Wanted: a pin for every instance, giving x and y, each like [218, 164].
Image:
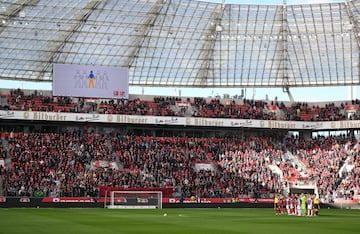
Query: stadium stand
[167, 44]
[195, 107]
[77, 164]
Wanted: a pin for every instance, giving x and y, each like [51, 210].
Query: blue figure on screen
[91, 78]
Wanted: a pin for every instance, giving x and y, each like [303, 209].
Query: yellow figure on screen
[91, 78]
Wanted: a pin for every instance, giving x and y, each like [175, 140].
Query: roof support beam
[353, 23]
[284, 48]
[354, 27]
[90, 7]
[285, 56]
[145, 31]
[207, 72]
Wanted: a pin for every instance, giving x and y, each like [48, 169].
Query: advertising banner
[216, 200]
[178, 121]
[69, 199]
[90, 81]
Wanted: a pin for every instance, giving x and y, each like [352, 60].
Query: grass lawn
[184, 221]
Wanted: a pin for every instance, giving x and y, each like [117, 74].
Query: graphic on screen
[90, 81]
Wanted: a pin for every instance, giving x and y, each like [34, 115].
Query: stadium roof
[186, 43]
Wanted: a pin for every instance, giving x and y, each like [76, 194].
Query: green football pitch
[184, 221]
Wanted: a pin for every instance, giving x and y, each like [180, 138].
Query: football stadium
[92, 155]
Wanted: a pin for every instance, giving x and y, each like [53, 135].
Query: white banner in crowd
[177, 121]
[90, 81]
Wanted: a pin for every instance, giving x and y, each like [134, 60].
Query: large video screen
[90, 81]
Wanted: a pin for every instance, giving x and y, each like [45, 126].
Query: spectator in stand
[165, 106]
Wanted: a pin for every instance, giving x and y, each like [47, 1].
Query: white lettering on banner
[120, 200]
[181, 104]
[24, 200]
[177, 121]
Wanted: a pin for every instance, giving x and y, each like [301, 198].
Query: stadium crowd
[195, 107]
[75, 163]
[350, 182]
[323, 158]
[70, 163]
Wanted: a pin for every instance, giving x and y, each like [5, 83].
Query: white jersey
[309, 203]
[287, 203]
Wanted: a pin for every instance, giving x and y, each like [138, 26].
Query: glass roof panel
[185, 42]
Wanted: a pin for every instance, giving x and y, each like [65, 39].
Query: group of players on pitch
[297, 204]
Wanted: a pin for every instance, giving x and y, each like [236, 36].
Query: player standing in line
[282, 205]
[309, 206]
[288, 202]
[292, 204]
[276, 204]
[295, 202]
[303, 204]
[316, 205]
[298, 206]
